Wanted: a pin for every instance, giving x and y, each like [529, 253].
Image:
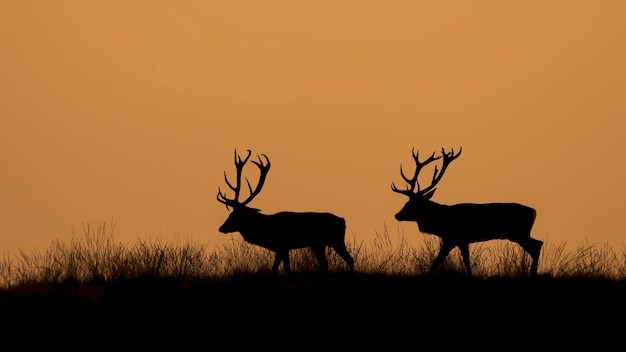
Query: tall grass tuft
[95, 257]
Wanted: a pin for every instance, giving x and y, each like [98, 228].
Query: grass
[95, 257]
[189, 293]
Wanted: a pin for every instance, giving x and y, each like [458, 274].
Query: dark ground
[315, 311]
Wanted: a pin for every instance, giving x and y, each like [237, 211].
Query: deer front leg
[281, 256]
[466, 257]
[443, 253]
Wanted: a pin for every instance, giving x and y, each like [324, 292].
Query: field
[163, 295]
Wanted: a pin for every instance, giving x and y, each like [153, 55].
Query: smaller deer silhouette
[283, 231]
[459, 225]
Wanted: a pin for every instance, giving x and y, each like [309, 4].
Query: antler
[437, 175]
[239, 164]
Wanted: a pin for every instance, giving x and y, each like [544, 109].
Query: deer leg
[443, 253]
[320, 254]
[286, 262]
[466, 257]
[281, 256]
[345, 255]
[533, 247]
[277, 261]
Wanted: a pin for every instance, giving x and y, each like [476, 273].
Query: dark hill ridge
[350, 307]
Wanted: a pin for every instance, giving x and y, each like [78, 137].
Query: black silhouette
[282, 231]
[461, 224]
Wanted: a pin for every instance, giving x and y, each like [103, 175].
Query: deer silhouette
[283, 231]
[459, 225]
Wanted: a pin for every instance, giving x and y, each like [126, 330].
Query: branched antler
[239, 164]
[437, 175]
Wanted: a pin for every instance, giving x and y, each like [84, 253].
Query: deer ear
[429, 194]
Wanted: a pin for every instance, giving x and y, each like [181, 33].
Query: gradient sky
[128, 112]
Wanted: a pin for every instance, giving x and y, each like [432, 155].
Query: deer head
[239, 208]
[418, 197]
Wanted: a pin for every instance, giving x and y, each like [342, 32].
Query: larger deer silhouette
[459, 225]
[283, 231]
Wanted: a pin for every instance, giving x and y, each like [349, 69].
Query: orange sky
[129, 112]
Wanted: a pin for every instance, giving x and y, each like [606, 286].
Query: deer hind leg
[341, 249]
[534, 253]
[281, 256]
[533, 247]
[466, 257]
[443, 253]
[320, 254]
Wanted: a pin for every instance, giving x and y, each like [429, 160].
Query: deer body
[459, 225]
[284, 231]
[469, 222]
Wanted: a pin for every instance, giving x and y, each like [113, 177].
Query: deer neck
[254, 227]
[430, 217]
